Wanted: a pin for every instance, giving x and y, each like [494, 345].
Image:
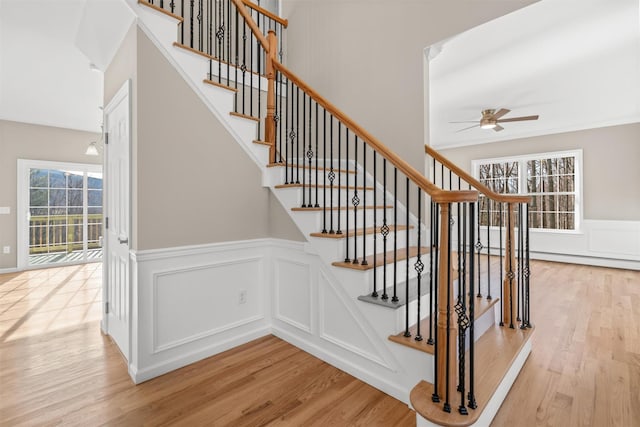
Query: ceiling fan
[491, 119]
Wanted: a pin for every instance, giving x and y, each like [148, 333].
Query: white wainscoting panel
[293, 295]
[209, 295]
[188, 306]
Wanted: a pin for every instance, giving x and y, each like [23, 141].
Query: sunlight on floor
[38, 301]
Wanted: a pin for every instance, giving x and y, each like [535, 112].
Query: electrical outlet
[242, 297]
[6, 249]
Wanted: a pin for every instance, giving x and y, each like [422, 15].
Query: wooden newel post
[510, 288]
[445, 287]
[269, 121]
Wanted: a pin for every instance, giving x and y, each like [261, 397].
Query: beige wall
[192, 182]
[610, 156]
[366, 57]
[33, 142]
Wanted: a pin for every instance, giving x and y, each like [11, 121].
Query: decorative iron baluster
[510, 273]
[479, 249]
[520, 275]
[297, 159]
[310, 154]
[304, 142]
[355, 200]
[200, 33]
[384, 230]
[289, 130]
[228, 37]
[463, 323]
[237, 64]
[489, 202]
[191, 6]
[220, 38]
[432, 246]
[419, 266]
[527, 271]
[447, 405]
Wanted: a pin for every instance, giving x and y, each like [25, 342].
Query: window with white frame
[551, 179]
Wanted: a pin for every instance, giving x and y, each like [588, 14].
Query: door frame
[23, 167]
[123, 92]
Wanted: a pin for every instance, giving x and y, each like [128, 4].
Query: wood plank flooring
[57, 369]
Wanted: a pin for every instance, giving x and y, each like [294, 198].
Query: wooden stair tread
[342, 208]
[281, 165]
[220, 85]
[335, 187]
[161, 10]
[359, 232]
[380, 260]
[244, 116]
[495, 352]
[482, 305]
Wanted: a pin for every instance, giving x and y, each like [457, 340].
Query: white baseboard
[8, 270]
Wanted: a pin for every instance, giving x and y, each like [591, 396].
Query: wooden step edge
[220, 85]
[342, 208]
[359, 232]
[381, 260]
[281, 165]
[161, 10]
[244, 116]
[496, 351]
[257, 141]
[193, 50]
[335, 187]
[481, 306]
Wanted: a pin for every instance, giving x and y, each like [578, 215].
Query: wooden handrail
[437, 194]
[240, 6]
[266, 13]
[474, 182]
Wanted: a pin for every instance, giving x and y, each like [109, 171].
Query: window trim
[522, 181]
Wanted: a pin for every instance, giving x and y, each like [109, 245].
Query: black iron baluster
[527, 272]
[489, 202]
[191, 5]
[210, 30]
[339, 231]
[199, 18]
[324, 172]
[220, 38]
[364, 204]
[510, 274]
[407, 253]
[304, 142]
[394, 298]
[346, 198]
[384, 230]
[419, 266]
[243, 67]
[461, 311]
[288, 131]
[332, 176]
[432, 251]
[520, 282]
[310, 154]
[237, 63]
[228, 37]
[447, 405]
[375, 227]
[317, 205]
[433, 316]
[276, 116]
[355, 200]
[479, 249]
[172, 5]
[471, 396]
[501, 275]
[297, 159]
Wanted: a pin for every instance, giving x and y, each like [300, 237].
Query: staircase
[436, 267]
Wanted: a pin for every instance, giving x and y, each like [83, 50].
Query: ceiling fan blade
[468, 121]
[501, 112]
[518, 119]
[470, 127]
[498, 128]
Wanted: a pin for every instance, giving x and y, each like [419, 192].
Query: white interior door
[117, 207]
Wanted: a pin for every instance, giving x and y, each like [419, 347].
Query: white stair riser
[335, 249]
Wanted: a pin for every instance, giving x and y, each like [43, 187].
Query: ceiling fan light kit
[491, 119]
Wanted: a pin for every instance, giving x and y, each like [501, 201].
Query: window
[552, 179]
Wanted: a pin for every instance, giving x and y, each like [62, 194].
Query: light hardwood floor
[57, 369]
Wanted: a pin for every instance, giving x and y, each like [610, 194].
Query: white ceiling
[45, 47]
[575, 63]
